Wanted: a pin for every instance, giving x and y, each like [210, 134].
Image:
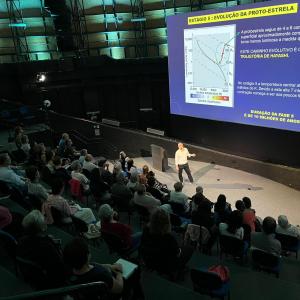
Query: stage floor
[268, 197]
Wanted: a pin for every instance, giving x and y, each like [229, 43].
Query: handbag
[221, 271]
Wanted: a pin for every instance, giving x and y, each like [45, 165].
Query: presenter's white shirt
[181, 156]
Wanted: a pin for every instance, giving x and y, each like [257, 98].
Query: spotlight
[41, 77]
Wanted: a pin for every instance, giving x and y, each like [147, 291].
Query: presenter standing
[181, 162]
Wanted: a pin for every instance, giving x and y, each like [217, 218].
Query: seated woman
[60, 171]
[109, 223]
[159, 248]
[34, 187]
[222, 209]
[143, 177]
[203, 216]
[77, 174]
[133, 181]
[61, 204]
[158, 185]
[233, 227]
[77, 257]
[38, 247]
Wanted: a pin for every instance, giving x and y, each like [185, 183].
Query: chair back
[33, 273]
[121, 204]
[76, 189]
[34, 201]
[231, 245]
[114, 242]
[288, 242]
[5, 189]
[8, 243]
[142, 211]
[86, 173]
[56, 215]
[47, 176]
[80, 226]
[204, 281]
[177, 208]
[263, 260]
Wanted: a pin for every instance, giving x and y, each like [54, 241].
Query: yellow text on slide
[267, 11]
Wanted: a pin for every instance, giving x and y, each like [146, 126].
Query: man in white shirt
[181, 162]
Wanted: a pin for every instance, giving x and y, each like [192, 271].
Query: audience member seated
[19, 133]
[61, 204]
[284, 227]
[158, 185]
[222, 209]
[130, 167]
[8, 175]
[5, 217]
[60, 171]
[117, 171]
[109, 224]
[144, 199]
[69, 151]
[159, 247]
[105, 174]
[239, 205]
[37, 155]
[199, 197]
[77, 257]
[249, 217]
[62, 144]
[88, 163]
[99, 188]
[133, 181]
[38, 247]
[203, 216]
[34, 187]
[265, 240]
[233, 227]
[11, 222]
[143, 177]
[83, 153]
[25, 146]
[178, 196]
[156, 193]
[49, 160]
[76, 174]
[120, 190]
[122, 160]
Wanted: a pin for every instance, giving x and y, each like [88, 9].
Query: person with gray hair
[133, 180]
[120, 190]
[77, 174]
[284, 227]
[38, 247]
[145, 199]
[8, 175]
[109, 224]
[178, 196]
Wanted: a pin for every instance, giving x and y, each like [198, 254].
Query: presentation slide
[239, 64]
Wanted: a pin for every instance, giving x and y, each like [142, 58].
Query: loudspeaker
[62, 22]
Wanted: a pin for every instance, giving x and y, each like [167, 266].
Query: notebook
[128, 267]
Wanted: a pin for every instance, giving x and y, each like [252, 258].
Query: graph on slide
[209, 65]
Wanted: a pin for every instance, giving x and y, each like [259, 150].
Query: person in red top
[249, 217]
[109, 224]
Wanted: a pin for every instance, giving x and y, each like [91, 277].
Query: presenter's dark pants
[187, 170]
